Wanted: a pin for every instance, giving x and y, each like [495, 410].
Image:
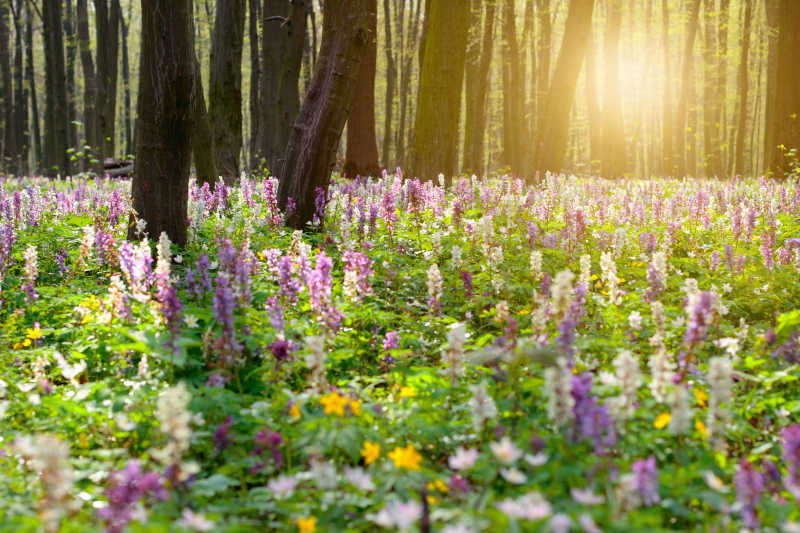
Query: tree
[772, 9]
[667, 151]
[787, 91]
[160, 186]
[545, 38]
[38, 152]
[126, 82]
[514, 124]
[255, 81]
[225, 87]
[479, 58]
[92, 135]
[613, 129]
[55, 119]
[687, 85]
[391, 80]
[362, 148]
[107, 27]
[439, 99]
[9, 137]
[711, 97]
[738, 160]
[202, 139]
[313, 139]
[551, 139]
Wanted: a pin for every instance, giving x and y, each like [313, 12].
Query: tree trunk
[668, 152]
[362, 148]
[722, 86]
[391, 80]
[313, 140]
[38, 152]
[9, 135]
[90, 97]
[593, 107]
[55, 123]
[69, 33]
[683, 101]
[20, 96]
[514, 136]
[772, 8]
[225, 87]
[545, 39]
[202, 138]
[551, 140]
[613, 128]
[738, 165]
[160, 186]
[479, 58]
[439, 99]
[107, 27]
[711, 101]
[288, 83]
[255, 82]
[787, 95]
[126, 81]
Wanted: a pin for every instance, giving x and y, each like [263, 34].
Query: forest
[450, 266]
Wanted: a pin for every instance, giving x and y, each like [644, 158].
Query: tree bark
[225, 87]
[722, 85]
[479, 58]
[288, 83]
[126, 81]
[439, 99]
[668, 151]
[711, 101]
[69, 34]
[90, 97]
[545, 39]
[20, 95]
[38, 152]
[362, 148]
[255, 82]
[55, 123]
[773, 26]
[107, 27]
[741, 133]
[160, 186]
[787, 93]
[514, 129]
[202, 138]
[613, 127]
[9, 134]
[686, 86]
[313, 140]
[391, 80]
[593, 109]
[551, 140]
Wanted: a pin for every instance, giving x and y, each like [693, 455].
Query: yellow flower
[334, 403]
[407, 392]
[34, 333]
[307, 525]
[370, 451]
[355, 407]
[406, 457]
[26, 343]
[86, 319]
[594, 277]
[439, 485]
[17, 346]
[698, 424]
[598, 284]
[662, 420]
[294, 411]
[701, 396]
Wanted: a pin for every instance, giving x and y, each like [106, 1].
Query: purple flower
[791, 454]
[222, 438]
[700, 317]
[280, 350]
[466, 281]
[592, 420]
[645, 480]
[391, 341]
[127, 487]
[750, 484]
[272, 440]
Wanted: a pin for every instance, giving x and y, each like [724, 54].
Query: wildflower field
[575, 355]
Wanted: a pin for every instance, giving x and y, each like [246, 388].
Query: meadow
[483, 355]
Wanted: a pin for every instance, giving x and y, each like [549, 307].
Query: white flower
[196, 521]
[720, 396]
[560, 523]
[586, 497]
[482, 405]
[536, 460]
[463, 459]
[505, 451]
[532, 506]
[587, 523]
[282, 486]
[680, 422]
[729, 344]
[191, 321]
[714, 482]
[635, 320]
[457, 528]
[558, 390]
[398, 514]
[359, 478]
[512, 475]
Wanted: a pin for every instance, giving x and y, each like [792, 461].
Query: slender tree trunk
[479, 59]
[741, 129]
[772, 8]
[711, 101]
[126, 81]
[362, 148]
[514, 129]
[551, 140]
[202, 138]
[21, 95]
[274, 45]
[404, 59]
[9, 134]
[686, 86]
[107, 26]
[90, 97]
[313, 140]
[255, 81]
[38, 151]
[160, 186]
[391, 80]
[593, 106]
[787, 94]
[69, 34]
[56, 141]
[225, 87]
[613, 129]
[722, 86]
[439, 99]
[545, 39]
[668, 152]
[288, 84]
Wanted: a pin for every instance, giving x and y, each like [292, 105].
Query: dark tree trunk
[55, 122]
[391, 80]
[514, 136]
[160, 186]
[439, 99]
[202, 138]
[255, 82]
[313, 140]
[773, 24]
[668, 152]
[90, 99]
[711, 101]
[288, 83]
[362, 148]
[9, 134]
[682, 157]
[479, 58]
[551, 140]
[225, 87]
[69, 34]
[413, 36]
[38, 151]
[107, 27]
[126, 81]
[20, 95]
[741, 128]
[787, 95]
[613, 129]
